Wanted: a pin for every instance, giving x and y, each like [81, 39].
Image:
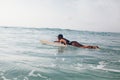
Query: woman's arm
[56, 41]
[63, 41]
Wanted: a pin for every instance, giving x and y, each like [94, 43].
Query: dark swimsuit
[74, 43]
[67, 41]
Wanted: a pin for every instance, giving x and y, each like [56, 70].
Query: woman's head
[60, 36]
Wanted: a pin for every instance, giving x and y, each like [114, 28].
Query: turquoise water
[23, 57]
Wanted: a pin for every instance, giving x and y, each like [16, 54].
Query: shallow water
[23, 57]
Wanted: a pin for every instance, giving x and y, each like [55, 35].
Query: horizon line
[56, 28]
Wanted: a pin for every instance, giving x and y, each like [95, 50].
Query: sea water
[23, 57]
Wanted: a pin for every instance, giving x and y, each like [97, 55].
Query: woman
[64, 41]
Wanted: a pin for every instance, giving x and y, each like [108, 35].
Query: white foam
[42, 76]
[1, 74]
[14, 78]
[80, 65]
[4, 78]
[63, 59]
[118, 60]
[112, 70]
[101, 65]
[36, 75]
[25, 78]
[31, 73]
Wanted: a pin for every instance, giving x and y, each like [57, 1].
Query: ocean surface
[23, 57]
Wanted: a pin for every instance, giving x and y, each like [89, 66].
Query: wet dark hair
[60, 36]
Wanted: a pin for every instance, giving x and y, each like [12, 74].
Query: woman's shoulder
[62, 39]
